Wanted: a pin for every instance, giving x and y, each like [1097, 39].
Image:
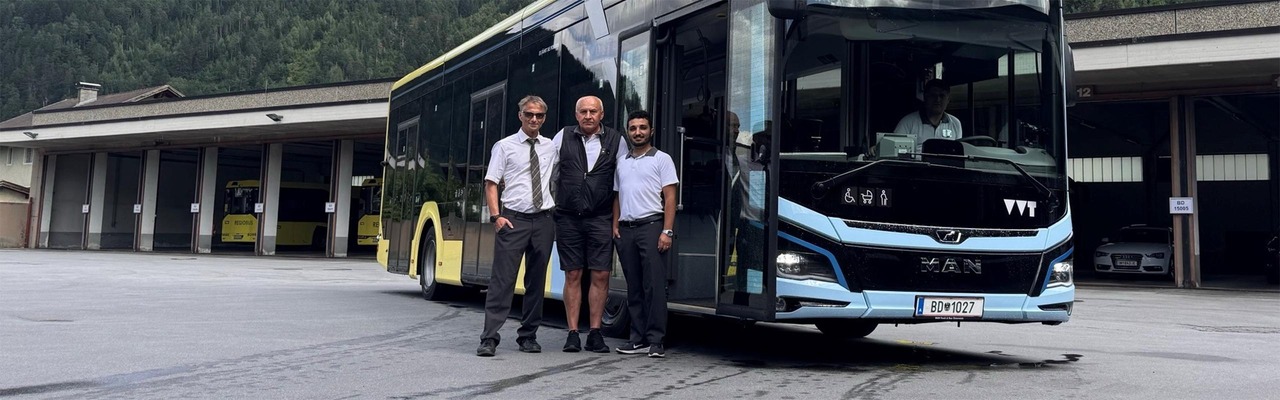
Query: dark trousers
[646, 272]
[530, 237]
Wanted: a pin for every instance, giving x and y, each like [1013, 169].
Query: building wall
[14, 167]
[12, 228]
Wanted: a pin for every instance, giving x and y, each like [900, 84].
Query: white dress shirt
[509, 164]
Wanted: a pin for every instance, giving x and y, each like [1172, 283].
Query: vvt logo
[1020, 207]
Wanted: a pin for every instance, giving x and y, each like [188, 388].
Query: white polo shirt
[915, 125]
[639, 183]
[509, 164]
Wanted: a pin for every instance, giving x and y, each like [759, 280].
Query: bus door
[707, 103]
[486, 128]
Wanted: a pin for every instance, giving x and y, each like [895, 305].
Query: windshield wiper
[820, 189]
[1048, 193]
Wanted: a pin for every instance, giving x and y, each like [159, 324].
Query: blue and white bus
[802, 199]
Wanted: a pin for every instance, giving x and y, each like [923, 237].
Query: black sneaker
[572, 344]
[595, 342]
[488, 348]
[633, 348]
[656, 351]
[529, 345]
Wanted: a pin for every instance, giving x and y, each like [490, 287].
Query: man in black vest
[584, 207]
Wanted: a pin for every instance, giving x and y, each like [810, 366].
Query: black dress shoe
[488, 348]
[529, 345]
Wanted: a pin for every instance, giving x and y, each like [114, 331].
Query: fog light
[781, 305]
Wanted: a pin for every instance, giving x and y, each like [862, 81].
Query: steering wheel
[980, 141]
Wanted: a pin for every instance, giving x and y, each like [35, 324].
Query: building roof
[23, 190]
[132, 96]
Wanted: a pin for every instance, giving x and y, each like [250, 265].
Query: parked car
[1272, 262]
[1137, 249]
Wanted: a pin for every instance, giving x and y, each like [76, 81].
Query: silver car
[1138, 249]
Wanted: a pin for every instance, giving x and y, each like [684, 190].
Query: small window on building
[8, 155]
[29, 156]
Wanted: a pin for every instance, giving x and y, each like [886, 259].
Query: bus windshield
[950, 111]
[240, 200]
[370, 199]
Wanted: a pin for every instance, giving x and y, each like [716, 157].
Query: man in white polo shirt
[644, 213]
[932, 121]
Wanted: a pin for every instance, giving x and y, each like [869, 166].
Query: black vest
[583, 193]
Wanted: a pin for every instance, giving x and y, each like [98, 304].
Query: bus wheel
[431, 290]
[846, 329]
[616, 322]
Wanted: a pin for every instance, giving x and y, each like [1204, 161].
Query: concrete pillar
[1182, 149]
[269, 189]
[97, 201]
[340, 219]
[42, 173]
[206, 189]
[145, 238]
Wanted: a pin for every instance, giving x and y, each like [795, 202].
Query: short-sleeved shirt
[509, 164]
[922, 129]
[639, 183]
[591, 144]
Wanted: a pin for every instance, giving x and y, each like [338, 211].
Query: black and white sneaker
[633, 348]
[656, 351]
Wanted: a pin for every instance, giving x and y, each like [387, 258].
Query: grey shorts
[584, 242]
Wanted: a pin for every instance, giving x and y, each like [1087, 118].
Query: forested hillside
[216, 46]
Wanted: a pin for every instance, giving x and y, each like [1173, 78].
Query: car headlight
[1159, 256]
[1060, 275]
[1099, 254]
[794, 262]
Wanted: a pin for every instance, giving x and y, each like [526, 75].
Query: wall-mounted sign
[137, 209]
[84, 208]
[1181, 205]
[195, 207]
[257, 207]
[1084, 91]
[330, 207]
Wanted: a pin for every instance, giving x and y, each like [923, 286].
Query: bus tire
[846, 329]
[616, 321]
[431, 289]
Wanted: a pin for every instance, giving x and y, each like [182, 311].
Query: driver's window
[987, 113]
[814, 123]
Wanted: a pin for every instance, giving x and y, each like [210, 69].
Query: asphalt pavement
[78, 324]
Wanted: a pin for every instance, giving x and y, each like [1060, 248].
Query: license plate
[1125, 263]
[949, 307]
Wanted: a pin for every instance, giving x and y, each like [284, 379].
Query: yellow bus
[370, 202]
[301, 221]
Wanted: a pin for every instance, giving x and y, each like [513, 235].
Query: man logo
[949, 236]
[949, 265]
[1023, 207]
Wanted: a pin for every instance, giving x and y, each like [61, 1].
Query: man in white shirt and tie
[522, 163]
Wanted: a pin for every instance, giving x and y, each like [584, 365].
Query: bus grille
[867, 268]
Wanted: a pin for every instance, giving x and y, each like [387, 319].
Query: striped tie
[536, 172]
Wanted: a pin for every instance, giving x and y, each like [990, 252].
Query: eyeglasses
[532, 115]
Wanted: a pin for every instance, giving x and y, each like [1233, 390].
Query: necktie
[535, 171]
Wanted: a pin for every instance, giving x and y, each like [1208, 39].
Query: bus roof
[506, 24]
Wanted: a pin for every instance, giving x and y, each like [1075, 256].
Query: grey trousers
[530, 237]
[646, 272]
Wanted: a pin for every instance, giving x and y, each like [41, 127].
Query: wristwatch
[669, 233]
[493, 219]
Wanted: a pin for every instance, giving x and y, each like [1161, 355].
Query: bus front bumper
[810, 300]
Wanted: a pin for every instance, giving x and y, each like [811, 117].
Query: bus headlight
[1060, 274]
[804, 265]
